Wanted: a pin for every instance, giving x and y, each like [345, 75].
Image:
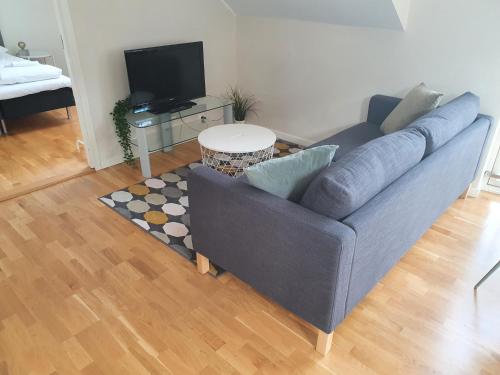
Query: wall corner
[402, 8]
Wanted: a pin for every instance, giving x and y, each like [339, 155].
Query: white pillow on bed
[3, 50]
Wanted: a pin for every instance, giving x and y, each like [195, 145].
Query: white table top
[237, 138]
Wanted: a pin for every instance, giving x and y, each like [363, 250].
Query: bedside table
[40, 56]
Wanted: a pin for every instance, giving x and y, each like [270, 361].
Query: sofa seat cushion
[444, 123]
[349, 183]
[351, 138]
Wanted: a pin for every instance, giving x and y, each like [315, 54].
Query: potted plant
[122, 129]
[242, 104]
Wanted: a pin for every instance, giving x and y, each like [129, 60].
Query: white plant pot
[239, 122]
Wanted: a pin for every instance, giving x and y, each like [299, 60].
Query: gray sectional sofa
[319, 257]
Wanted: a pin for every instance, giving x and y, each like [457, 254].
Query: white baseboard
[474, 192]
[481, 184]
[292, 138]
[491, 189]
[118, 159]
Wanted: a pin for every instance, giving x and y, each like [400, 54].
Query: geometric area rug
[160, 205]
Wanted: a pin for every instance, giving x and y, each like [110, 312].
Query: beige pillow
[417, 103]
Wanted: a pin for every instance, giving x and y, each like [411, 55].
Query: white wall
[33, 22]
[403, 10]
[314, 80]
[104, 29]
[390, 14]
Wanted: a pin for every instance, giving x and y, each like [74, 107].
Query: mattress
[23, 89]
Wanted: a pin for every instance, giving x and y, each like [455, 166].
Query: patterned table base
[233, 164]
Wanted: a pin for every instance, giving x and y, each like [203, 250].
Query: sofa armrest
[380, 107]
[300, 259]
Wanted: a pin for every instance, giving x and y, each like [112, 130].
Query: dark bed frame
[35, 103]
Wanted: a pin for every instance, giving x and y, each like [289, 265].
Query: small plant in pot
[242, 104]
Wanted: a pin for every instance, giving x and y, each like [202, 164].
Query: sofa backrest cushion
[444, 123]
[348, 184]
[418, 102]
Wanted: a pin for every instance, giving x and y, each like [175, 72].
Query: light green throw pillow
[288, 177]
[415, 104]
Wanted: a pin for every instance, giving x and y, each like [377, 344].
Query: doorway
[42, 142]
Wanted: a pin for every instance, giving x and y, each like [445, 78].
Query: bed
[22, 99]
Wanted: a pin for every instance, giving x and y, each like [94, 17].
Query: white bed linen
[12, 75]
[22, 89]
[14, 70]
[7, 59]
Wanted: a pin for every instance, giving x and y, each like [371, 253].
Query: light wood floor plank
[84, 291]
[40, 151]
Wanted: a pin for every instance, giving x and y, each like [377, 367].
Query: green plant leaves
[122, 128]
[242, 103]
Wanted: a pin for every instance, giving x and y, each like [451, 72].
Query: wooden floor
[39, 150]
[84, 291]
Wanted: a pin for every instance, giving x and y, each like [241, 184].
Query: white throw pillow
[417, 103]
[3, 50]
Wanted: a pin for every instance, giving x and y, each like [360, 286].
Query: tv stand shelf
[161, 108]
[156, 132]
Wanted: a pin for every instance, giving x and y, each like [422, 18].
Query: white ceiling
[390, 14]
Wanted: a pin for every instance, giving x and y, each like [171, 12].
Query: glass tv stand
[155, 132]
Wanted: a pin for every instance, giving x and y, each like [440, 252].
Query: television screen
[173, 73]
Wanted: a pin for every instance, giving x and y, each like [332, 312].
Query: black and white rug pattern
[160, 205]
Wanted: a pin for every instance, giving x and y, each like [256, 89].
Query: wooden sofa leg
[202, 263]
[465, 193]
[324, 342]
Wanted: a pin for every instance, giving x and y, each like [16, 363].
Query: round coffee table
[232, 148]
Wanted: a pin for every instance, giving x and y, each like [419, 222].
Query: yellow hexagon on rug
[139, 190]
[281, 146]
[155, 217]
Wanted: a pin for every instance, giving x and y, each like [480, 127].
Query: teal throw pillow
[288, 177]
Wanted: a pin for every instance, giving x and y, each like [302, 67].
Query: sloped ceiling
[389, 14]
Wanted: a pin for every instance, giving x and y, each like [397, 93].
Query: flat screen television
[162, 79]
